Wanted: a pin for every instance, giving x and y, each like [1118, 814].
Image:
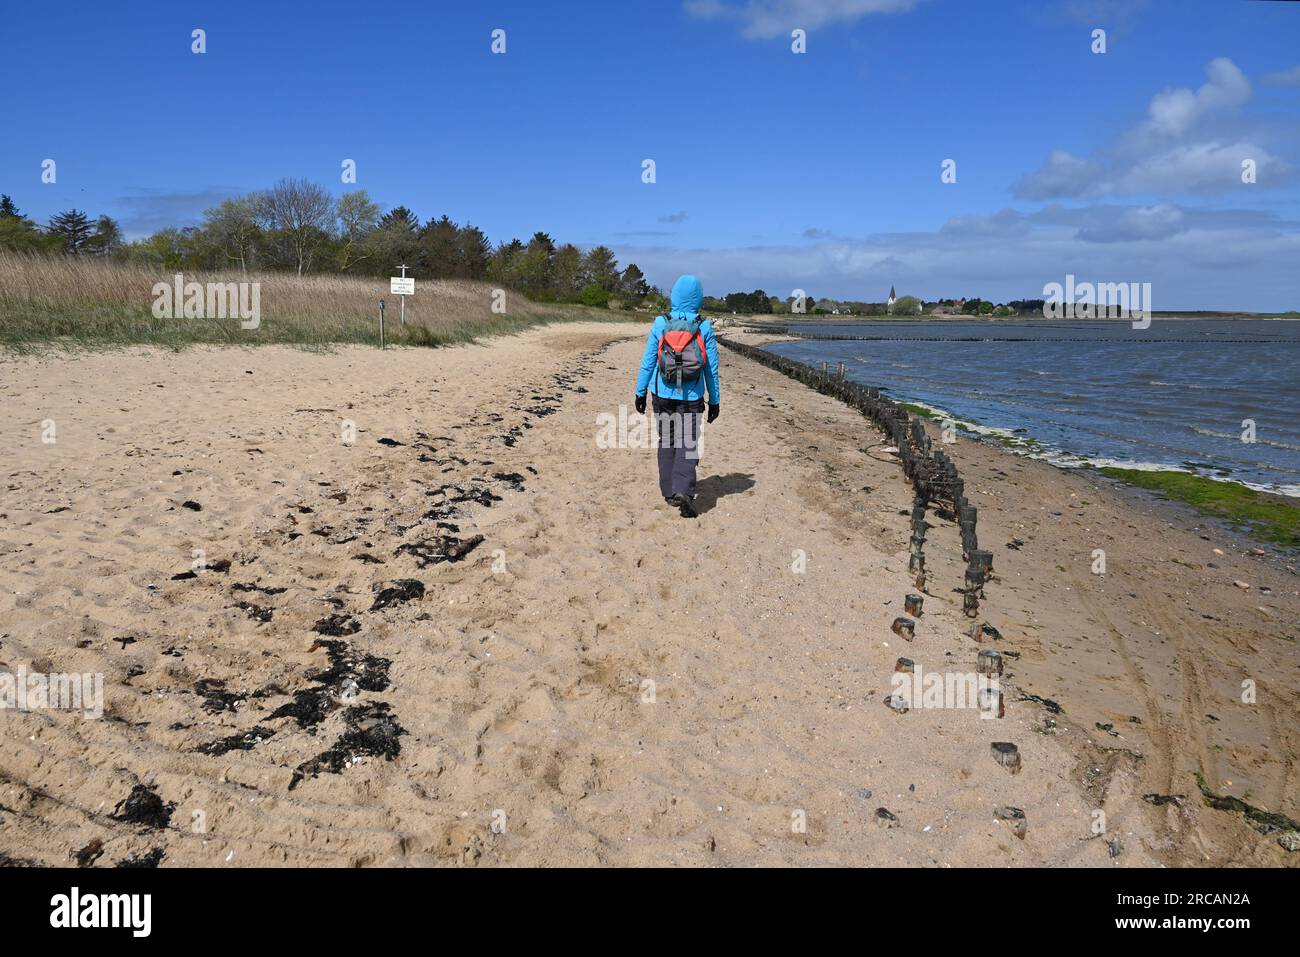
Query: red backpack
[682, 352]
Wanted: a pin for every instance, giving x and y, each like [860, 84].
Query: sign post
[402, 286]
[381, 323]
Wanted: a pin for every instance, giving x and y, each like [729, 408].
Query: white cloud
[1196, 168]
[1173, 112]
[1139, 223]
[1289, 77]
[1062, 175]
[765, 19]
[1190, 142]
[1195, 259]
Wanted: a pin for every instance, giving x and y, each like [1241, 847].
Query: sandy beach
[310, 658]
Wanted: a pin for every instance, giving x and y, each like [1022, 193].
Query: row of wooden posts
[935, 484]
[931, 472]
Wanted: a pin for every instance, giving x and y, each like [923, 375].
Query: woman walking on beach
[681, 358]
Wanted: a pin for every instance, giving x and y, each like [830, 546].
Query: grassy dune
[87, 303]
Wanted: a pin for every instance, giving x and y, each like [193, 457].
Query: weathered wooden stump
[970, 604]
[886, 818]
[990, 701]
[1013, 816]
[916, 563]
[897, 704]
[988, 662]
[903, 627]
[906, 665]
[1006, 754]
[912, 605]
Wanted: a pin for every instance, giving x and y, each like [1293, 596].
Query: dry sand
[529, 734]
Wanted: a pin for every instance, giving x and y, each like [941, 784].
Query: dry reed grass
[81, 302]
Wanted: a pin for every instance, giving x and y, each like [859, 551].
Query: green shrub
[594, 295]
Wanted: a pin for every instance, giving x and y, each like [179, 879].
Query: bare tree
[301, 212]
[233, 227]
[358, 216]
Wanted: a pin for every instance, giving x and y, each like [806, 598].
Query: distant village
[759, 302]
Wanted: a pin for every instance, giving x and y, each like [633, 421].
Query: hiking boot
[685, 504]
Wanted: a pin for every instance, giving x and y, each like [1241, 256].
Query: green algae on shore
[1266, 822]
[1268, 517]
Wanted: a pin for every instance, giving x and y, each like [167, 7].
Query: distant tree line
[71, 232]
[758, 302]
[296, 225]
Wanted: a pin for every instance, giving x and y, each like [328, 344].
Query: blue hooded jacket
[688, 295]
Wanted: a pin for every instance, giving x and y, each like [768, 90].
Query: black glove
[714, 411]
[640, 404]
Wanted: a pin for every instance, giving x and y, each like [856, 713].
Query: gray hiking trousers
[678, 423]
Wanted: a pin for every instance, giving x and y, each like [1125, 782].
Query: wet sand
[596, 680]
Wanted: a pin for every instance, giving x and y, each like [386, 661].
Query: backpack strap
[659, 351]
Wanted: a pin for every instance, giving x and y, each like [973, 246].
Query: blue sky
[818, 170]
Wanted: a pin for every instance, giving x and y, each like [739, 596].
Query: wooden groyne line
[792, 334]
[932, 474]
[935, 483]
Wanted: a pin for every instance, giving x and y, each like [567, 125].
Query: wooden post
[988, 662]
[990, 700]
[912, 605]
[1007, 755]
[1013, 816]
[903, 627]
[381, 323]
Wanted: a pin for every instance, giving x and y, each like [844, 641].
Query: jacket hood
[688, 296]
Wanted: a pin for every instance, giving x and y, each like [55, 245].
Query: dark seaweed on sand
[336, 626]
[144, 861]
[215, 696]
[245, 741]
[255, 612]
[309, 707]
[372, 732]
[143, 806]
[444, 548]
[397, 592]
[370, 672]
